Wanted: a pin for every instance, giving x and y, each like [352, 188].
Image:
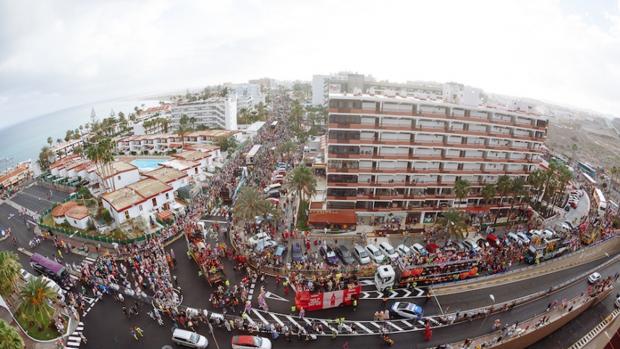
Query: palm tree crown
[37, 300]
[302, 181]
[251, 203]
[10, 338]
[9, 272]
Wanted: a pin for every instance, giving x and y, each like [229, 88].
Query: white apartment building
[162, 143]
[171, 176]
[141, 199]
[248, 95]
[344, 82]
[400, 155]
[117, 175]
[216, 112]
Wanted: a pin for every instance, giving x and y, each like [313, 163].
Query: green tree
[9, 272]
[453, 224]
[504, 185]
[100, 151]
[44, 158]
[37, 298]
[183, 128]
[536, 180]
[192, 122]
[50, 141]
[226, 143]
[302, 181]
[517, 189]
[251, 203]
[461, 189]
[488, 193]
[9, 337]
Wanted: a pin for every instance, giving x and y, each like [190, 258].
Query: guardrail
[530, 267]
[585, 340]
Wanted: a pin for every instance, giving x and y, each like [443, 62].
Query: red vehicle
[325, 300]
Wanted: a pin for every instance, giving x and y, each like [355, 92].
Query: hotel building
[395, 155]
[216, 112]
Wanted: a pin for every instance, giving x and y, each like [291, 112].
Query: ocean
[24, 141]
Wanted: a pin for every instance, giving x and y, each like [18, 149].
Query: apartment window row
[413, 179]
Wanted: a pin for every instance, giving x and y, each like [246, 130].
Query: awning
[332, 217]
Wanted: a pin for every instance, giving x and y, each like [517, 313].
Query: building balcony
[529, 125]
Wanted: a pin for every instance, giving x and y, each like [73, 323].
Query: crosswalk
[78, 268]
[74, 339]
[399, 293]
[353, 328]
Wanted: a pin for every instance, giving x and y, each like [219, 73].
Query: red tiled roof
[62, 209]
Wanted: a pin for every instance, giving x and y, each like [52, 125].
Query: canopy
[332, 217]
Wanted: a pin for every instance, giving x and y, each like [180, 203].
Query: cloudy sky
[56, 54]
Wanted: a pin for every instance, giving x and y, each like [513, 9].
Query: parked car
[189, 339]
[407, 310]
[271, 187]
[273, 194]
[513, 238]
[388, 250]
[375, 254]
[471, 246]
[345, 255]
[361, 254]
[261, 241]
[594, 278]
[403, 250]
[328, 254]
[548, 233]
[521, 235]
[250, 342]
[419, 249]
[296, 253]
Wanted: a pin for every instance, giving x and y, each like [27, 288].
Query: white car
[25, 275]
[548, 233]
[419, 249]
[375, 254]
[407, 310]
[388, 250]
[262, 239]
[250, 342]
[403, 250]
[594, 277]
[189, 339]
[521, 235]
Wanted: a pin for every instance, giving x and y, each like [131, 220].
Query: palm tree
[504, 184]
[251, 203]
[517, 189]
[461, 189]
[536, 180]
[453, 224]
[302, 181]
[101, 153]
[192, 121]
[37, 300]
[165, 123]
[44, 157]
[9, 272]
[10, 337]
[488, 193]
[183, 128]
[50, 141]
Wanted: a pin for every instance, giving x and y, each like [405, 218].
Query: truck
[387, 276]
[544, 250]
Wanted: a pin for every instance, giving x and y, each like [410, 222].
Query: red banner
[325, 300]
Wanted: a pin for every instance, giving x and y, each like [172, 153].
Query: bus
[599, 201]
[587, 168]
[249, 157]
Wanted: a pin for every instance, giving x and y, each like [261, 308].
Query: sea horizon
[23, 141]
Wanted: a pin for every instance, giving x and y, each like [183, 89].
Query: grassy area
[34, 331]
[302, 215]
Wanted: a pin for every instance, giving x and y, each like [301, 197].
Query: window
[154, 202]
[127, 214]
[140, 207]
[119, 178]
[196, 170]
[167, 196]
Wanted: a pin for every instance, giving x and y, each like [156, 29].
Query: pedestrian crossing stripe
[289, 318]
[363, 327]
[260, 317]
[366, 283]
[393, 325]
[275, 297]
[277, 319]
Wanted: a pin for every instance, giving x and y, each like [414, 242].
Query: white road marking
[328, 326]
[289, 318]
[407, 323]
[277, 319]
[420, 292]
[275, 297]
[260, 317]
[394, 325]
[363, 327]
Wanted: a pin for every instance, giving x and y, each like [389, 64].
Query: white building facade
[217, 112]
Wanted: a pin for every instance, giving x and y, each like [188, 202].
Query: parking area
[38, 198]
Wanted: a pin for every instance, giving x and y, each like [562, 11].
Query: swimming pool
[147, 164]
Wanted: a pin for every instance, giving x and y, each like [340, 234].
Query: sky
[57, 54]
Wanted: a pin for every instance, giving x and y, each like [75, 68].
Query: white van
[360, 254]
[375, 254]
[189, 339]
